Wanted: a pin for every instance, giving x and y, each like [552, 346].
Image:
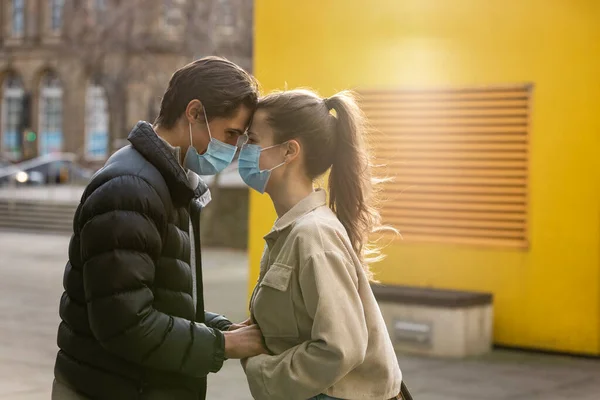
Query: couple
[133, 319]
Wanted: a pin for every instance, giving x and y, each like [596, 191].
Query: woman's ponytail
[351, 188]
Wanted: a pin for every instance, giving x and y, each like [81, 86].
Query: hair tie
[326, 102]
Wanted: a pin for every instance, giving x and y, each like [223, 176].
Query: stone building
[75, 75]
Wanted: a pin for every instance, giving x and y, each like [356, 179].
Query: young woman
[313, 301]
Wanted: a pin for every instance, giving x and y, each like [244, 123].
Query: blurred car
[11, 173]
[29, 178]
[52, 169]
[61, 171]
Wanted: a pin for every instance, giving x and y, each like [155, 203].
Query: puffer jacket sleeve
[122, 223]
[217, 321]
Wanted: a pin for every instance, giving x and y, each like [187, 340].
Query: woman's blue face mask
[249, 166]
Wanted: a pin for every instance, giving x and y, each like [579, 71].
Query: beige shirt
[316, 310]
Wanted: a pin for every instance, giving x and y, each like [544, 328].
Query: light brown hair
[219, 84]
[332, 132]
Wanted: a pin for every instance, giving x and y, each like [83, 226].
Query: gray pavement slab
[31, 268]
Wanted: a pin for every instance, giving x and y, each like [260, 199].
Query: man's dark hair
[219, 84]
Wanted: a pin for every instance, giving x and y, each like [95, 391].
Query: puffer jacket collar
[144, 139]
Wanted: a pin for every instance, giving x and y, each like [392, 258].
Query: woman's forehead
[259, 125]
[259, 119]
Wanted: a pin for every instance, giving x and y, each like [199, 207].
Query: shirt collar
[314, 200]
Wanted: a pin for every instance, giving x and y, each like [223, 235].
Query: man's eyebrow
[237, 131]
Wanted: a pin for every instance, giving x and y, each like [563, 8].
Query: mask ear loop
[277, 166]
[191, 143]
[270, 147]
[207, 124]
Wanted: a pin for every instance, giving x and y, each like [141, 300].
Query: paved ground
[31, 268]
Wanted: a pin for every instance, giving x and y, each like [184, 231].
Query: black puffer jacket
[129, 329]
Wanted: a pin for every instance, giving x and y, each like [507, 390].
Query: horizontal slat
[457, 198]
[463, 164]
[398, 140]
[460, 89]
[406, 96]
[455, 180]
[407, 170]
[393, 129]
[403, 155]
[403, 170]
[460, 240]
[466, 224]
[391, 110]
[422, 205]
[444, 214]
[515, 234]
[385, 148]
[463, 121]
[368, 106]
[447, 95]
[392, 188]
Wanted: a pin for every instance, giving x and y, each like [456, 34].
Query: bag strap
[404, 392]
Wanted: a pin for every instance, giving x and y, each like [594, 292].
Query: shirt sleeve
[338, 339]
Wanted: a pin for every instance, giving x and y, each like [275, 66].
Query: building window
[173, 13]
[12, 110]
[226, 16]
[51, 113]
[96, 122]
[18, 17]
[100, 5]
[459, 163]
[56, 13]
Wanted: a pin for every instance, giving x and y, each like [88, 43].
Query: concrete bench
[436, 322]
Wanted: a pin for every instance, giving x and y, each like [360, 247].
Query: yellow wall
[547, 297]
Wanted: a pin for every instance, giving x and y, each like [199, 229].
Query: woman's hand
[244, 342]
[247, 322]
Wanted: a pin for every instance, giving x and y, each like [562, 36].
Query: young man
[133, 320]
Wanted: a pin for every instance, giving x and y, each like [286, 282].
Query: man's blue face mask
[215, 159]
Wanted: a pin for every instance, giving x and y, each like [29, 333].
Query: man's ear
[194, 111]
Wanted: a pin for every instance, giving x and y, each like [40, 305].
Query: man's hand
[244, 324]
[244, 342]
